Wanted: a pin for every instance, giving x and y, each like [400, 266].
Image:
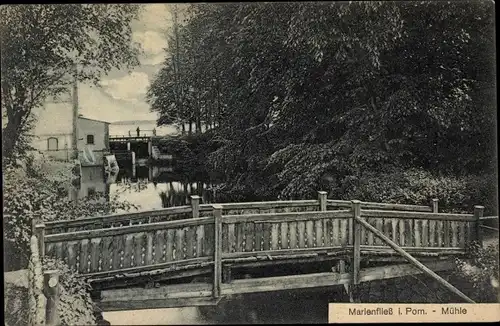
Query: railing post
[478, 213]
[40, 234]
[356, 259]
[435, 207]
[322, 200]
[217, 209]
[51, 291]
[195, 205]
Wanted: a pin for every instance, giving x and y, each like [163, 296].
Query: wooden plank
[343, 232]
[59, 250]
[231, 238]
[417, 215]
[149, 249]
[327, 232]
[240, 237]
[395, 229]
[118, 246]
[200, 235]
[72, 254]
[136, 304]
[402, 240]
[440, 238]
[266, 236]
[425, 233]
[462, 236]
[387, 206]
[369, 238]
[310, 234]
[387, 227]
[418, 233]
[160, 246]
[249, 236]
[349, 231]
[264, 255]
[116, 218]
[128, 252]
[446, 233]
[139, 249]
[95, 255]
[274, 236]
[301, 229]
[454, 234]
[84, 256]
[432, 233]
[379, 224]
[216, 290]
[286, 217]
[258, 236]
[414, 261]
[293, 234]
[325, 279]
[209, 239]
[151, 270]
[87, 234]
[191, 242]
[356, 258]
[283, 236]
[179, 252]
[170, 245]
[225, 239]
[319, 233]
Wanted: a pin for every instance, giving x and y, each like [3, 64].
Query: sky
[122, 95]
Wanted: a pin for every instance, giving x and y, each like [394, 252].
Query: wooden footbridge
[197, 254]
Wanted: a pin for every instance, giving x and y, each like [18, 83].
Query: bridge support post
[195, 206]
[322, 200]
[40, 235]
[356, 259]
[51, 291]
[217, 210]
[478, 213]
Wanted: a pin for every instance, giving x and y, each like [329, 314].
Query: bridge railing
[197, 242]
[135, 247]
[196, 210]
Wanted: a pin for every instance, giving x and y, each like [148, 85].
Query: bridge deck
[182, 242]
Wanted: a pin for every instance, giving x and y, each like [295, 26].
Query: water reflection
[150, 187]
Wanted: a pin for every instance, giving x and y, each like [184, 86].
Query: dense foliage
[41, 44]
[39, 191]
[75, 304]
[297, 92]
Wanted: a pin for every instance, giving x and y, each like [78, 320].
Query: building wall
[60, 145]
[97, 129]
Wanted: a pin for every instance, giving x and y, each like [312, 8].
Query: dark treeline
[309, 96]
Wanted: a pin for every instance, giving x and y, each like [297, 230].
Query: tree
[41, 44]
[304, 90]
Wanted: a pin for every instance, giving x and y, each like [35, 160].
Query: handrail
[98, 233]
[418, 215]
[118, 217]
[373, 205]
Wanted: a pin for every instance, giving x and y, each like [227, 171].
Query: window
[91, 192]
[52, 144]
[90, 139]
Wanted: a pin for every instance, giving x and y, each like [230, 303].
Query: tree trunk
[10, 137]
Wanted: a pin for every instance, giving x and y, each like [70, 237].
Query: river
[154, 188]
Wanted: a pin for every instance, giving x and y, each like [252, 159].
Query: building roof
[82, 117]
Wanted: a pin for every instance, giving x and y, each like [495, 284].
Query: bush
[38, 191]
[75, 304]
[481, 272]
[456, 194]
